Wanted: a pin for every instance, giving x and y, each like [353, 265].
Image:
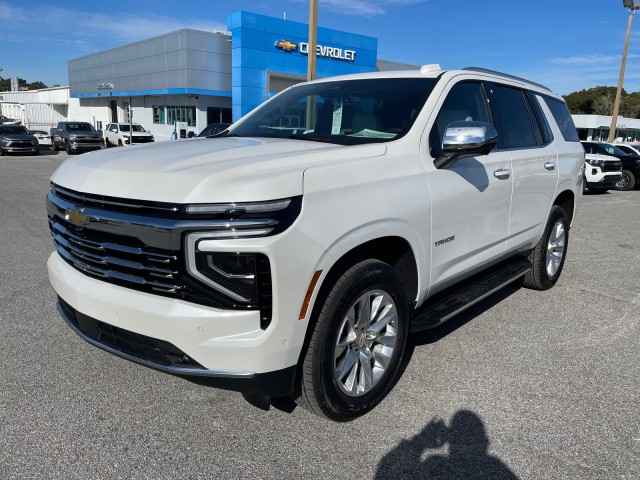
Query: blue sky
[564, 44]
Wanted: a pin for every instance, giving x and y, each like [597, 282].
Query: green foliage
[5, 84]
[599, 101]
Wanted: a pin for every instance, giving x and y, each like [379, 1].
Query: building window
[170, 114]
[158, 114]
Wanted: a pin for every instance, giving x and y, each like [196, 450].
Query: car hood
[13, 136]
[205, 170]
[597, 156]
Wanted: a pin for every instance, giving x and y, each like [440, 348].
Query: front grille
[80, 139]
[122, 260]
[142, 139]
[21, 144]
[138, 245]
[612, 167]
[142, 347]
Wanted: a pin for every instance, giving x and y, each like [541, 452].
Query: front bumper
[10, 149]
[227, 344]
[165, 357]
[606, 181]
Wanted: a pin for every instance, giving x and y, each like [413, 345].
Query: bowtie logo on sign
[321, 50]
[286, 45]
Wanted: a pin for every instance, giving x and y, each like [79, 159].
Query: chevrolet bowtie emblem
[286, 45]
[76, 217]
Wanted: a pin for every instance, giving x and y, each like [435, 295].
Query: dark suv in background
[630, 163]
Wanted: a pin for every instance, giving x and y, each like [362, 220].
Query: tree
[5, 84]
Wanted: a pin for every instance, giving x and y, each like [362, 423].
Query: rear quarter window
[563, 118]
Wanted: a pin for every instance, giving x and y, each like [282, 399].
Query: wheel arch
[567, 201]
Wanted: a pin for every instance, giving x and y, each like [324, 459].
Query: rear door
[524, 134]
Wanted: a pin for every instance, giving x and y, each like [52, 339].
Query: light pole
[632, 6]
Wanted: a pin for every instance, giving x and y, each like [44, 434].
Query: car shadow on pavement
[468, 456]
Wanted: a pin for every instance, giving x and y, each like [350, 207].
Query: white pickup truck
[292, 255]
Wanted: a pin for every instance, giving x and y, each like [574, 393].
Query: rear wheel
[627, 181]
[547, 258]
[357, 344]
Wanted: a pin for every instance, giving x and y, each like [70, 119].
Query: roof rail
[506, 75]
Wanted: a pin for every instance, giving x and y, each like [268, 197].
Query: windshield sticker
[337, 116]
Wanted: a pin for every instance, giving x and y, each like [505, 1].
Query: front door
[470, 199]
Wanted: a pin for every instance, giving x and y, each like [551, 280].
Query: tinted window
[563, 119]
[514, 127]
[80, 127]
[14, 130]
[541, 118]
[465, 102]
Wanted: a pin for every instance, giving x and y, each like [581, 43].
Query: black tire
[540, 277]
[320, 392]
[119, 142]
[626, 182]
[2, 153]
[67, 147]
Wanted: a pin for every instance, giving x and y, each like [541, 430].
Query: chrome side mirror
[466, 139]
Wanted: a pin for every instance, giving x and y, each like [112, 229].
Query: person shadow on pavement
[468, 457]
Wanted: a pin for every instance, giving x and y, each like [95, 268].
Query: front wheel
[627, 181]
[67, 147]
[357, 344]
[547, 258]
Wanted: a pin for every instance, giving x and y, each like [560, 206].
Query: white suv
[294, 255]
[118, 134]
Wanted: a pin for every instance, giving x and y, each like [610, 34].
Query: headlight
[5, 142]
[595, 163]
[72, 137]
[34, 142]
[237, 276]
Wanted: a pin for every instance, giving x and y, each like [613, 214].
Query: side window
[540, 118]
[465, 102]
[588, 148]
[563, 119]
[515, 129]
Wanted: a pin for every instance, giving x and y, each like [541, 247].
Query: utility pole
[313, 39]
[631, 5]
[311, 61]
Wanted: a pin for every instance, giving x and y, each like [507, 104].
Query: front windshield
[615, 151]
[124, 127]
[345, 112]
[80, 127]
[13, 130]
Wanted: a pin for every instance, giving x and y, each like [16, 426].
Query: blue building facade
[203, 77]
[268, 54]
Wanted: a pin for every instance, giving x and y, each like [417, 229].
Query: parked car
[44, 138]
[17, 139]
[294, 261]
[119, 134]
[213, 129]
[601, 172]
[630, 163]
[9, 121]
[628, 148]
[76, 137]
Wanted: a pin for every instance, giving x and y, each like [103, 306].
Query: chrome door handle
[550, 165]
[502, 173]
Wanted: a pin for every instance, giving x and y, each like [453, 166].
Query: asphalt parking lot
[529, 385]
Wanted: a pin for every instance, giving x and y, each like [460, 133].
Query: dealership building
[196, 77]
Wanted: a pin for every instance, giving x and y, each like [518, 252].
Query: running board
[454, 300]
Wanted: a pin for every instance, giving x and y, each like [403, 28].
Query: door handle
[502, 173]
[550, 165]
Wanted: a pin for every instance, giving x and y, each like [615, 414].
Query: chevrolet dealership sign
[321, 50]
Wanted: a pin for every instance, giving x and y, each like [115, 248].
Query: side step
[454, 300]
